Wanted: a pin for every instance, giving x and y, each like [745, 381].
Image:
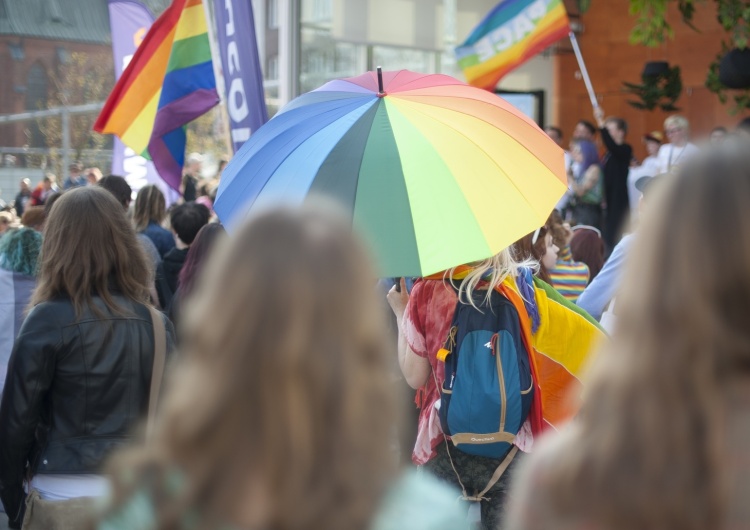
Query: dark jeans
[475, 472]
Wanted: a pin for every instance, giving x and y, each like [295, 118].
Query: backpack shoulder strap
[157, 373]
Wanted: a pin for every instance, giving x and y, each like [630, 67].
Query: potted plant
[661, 86]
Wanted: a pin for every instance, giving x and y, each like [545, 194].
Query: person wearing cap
[600, 293]
[75, 177]
[679, 149]
[649, 167]
[191, 176]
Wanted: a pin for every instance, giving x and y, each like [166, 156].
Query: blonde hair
[294, 413]
[150, 205]
[493, 270]
[677, 121]
[648, 449]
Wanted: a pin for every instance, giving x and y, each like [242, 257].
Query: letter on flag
[243, 78]
[168, 83]
[511, 34]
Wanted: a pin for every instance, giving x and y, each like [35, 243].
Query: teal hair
[19, 251]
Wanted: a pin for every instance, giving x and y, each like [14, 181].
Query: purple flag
[243, 78]
[129, 21]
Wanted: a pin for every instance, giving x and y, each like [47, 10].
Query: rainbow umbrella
[435, 172]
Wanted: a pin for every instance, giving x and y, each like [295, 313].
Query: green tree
[652, 29]
[83, 78]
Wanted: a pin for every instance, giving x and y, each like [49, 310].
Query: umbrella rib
[479, 148]
[477, 117]
[402, 89]
[280, 161]
[534, 126]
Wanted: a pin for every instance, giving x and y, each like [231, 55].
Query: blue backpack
[488, 386]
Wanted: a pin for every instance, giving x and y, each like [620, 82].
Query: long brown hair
[282, 406]
[649, 448]
[150, 205]
[90, 248]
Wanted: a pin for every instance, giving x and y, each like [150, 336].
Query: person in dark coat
[79, 374]
[186, 220]
[615, 166]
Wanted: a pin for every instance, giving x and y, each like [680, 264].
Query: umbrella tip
[381, 92]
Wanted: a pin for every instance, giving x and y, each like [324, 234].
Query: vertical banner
[129, 21]
[243, 78]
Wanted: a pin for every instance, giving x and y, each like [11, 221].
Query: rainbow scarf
[511, 34]
[168, 83]
[562, 338]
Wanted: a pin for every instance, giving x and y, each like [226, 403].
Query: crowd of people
[285, 396]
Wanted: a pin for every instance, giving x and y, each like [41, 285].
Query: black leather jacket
[75, 390]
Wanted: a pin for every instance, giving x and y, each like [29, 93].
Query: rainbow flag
[168, 83]
[511, 34]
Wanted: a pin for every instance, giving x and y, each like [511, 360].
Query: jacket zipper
[501, 376]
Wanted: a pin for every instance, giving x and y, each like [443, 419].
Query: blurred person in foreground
[80, 371]
[148, 216]
[663, 437]
[198, 255]
[19, 251]
[308, 442]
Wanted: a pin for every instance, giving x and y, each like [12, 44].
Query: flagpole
[220, 85]
[584, 72]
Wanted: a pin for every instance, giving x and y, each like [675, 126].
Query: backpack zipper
[503, 398]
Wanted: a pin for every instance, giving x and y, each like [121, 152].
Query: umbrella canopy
[436, 173]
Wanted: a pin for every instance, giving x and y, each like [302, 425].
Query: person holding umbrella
[440, 178]
[425, 321]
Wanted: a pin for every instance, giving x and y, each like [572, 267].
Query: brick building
[36, 37]
[611, 59]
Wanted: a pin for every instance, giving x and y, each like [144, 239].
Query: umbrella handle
[380, 82]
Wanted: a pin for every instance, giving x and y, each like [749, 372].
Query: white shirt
[63, 487]
[649, 168]
[671, 156]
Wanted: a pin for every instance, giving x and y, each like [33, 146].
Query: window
[272, 68]
[272, 14]
[36, 99]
